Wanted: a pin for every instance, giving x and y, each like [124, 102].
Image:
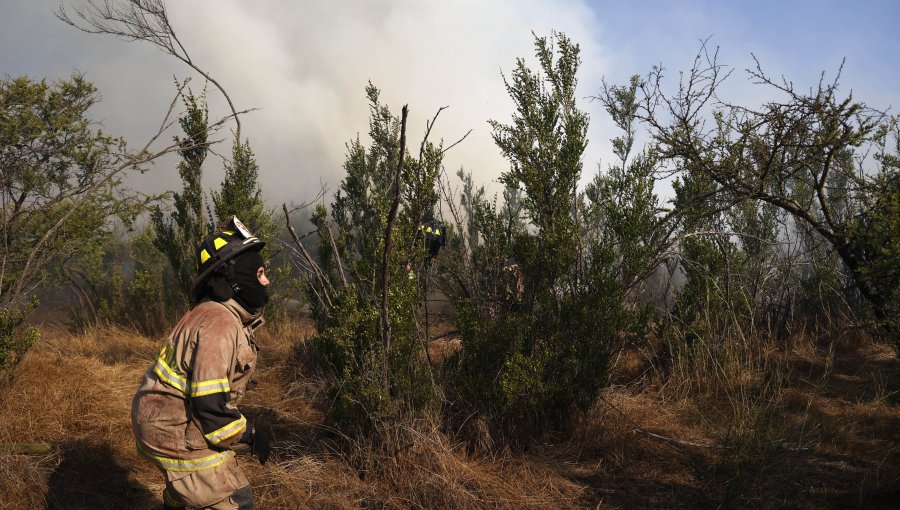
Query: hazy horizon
[304, 67]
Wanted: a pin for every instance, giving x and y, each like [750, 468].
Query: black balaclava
[248, 292]
[217, 288]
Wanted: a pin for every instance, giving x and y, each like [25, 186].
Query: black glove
[260, 446]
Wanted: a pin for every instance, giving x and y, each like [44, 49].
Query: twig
[25, 449]
[319, 275]
[337, 256]
[454, 144]
[321, 194]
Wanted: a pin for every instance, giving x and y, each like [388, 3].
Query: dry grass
[806, 427]
[74, 391]
[752, 426]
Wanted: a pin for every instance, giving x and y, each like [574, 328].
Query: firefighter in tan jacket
[184, 414]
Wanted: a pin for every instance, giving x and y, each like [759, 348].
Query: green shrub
[540, 282]
[347, 349]
[126, 282]
[15, 339]
[373, 388]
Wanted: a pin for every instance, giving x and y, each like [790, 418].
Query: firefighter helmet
[433, 236]
[221, 246]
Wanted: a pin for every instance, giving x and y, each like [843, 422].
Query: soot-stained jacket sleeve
[222, 424]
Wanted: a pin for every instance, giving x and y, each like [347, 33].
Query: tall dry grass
[754, 407]
[740, 424]
[74, 391]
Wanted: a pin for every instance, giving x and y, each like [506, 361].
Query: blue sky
[304, 66]
[799, 39]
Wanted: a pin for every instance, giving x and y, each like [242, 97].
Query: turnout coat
[184, 414]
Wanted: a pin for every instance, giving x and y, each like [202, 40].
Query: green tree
[122, 280]
[178, 236]
[60, 188]
[378, 379]
[544, 145]
[804, 153]
[538, 350]
[622, 214]
[362, 202]
[239, 194]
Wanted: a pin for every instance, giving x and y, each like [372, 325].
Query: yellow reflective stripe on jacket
[198, 389]
[182, 465]
[167, 375]
[217, 436]
[163, 369]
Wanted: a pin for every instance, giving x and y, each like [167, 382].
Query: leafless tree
[804, 154]
[139, 20]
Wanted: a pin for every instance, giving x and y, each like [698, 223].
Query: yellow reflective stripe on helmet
[204, 255]
[228, 232]
[233, 428]
[182, 465]
[219, 243]
[198, 389]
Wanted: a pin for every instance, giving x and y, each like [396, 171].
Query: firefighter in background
[184, 415]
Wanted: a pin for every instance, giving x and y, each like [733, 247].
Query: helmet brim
[198, 283]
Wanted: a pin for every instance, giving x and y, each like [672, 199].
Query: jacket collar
[251, 321]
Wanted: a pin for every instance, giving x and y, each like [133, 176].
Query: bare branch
[309, 260]
[140, 20]
[428, 127]
[321, 194]
[454, 144]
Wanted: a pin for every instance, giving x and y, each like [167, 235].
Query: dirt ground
[827, 438]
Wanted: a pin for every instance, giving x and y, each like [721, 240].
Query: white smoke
[304, 67]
